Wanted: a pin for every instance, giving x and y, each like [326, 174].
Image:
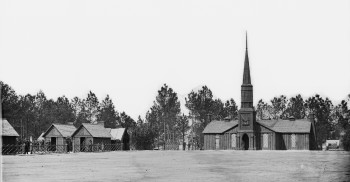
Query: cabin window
[293, 139]
[265, 140]
[233, 140]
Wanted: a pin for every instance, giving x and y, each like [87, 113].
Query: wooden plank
[59, 141]
[205, 142]
[53, 133]
[82, 133]
[307, 142]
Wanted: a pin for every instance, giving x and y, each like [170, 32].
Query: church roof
[287, 126]
[7, 129]
[279, 126]
[220, 126]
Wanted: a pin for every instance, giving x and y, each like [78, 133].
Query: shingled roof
[7, 129]
[220, 126]
[65, 129]
[97, 130]
[287, 126]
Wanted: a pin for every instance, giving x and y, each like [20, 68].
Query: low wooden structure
[220, 135]
[8, 133]
[268, 135]
[59, 135]
[120, 136]
[88, 135]
[8, 138]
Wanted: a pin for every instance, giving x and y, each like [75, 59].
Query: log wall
[225, 140]
[293, 141]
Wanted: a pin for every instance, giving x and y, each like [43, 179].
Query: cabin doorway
[53, 143]
[82, 144]
[245, 142]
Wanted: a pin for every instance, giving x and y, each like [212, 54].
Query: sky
[129, 49]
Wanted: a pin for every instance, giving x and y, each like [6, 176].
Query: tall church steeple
[246, 73]
[247, 87]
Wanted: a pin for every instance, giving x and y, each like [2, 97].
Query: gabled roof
[220, 126]
[287, 126]
[117, 134]
[96, 130]
[7, 129]
[65, 129]
[41, 138]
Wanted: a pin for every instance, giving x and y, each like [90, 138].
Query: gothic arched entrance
[245, 142]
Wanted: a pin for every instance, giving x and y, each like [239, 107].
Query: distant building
[90, 134]
[120, 136]
[8, 133]
[248, 134]
[332, 144]
[59, 135]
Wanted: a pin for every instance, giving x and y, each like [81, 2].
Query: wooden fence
[42, 149]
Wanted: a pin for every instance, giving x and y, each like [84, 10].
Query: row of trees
[331, 121]
[164, 121]
[32, 114]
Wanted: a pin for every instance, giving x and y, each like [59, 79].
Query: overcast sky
[130, 48]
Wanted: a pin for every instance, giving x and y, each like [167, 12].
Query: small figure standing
[26, 147]
[90, 141]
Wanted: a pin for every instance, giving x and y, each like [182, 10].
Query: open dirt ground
[180, 166]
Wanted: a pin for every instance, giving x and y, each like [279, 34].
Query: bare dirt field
[180, 166]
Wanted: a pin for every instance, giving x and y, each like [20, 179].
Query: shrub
[346, 140]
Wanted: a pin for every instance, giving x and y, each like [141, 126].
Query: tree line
[332, 121]
[31, 115]
[164, 121]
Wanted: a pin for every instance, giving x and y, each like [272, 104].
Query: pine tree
[92, 107]
[108, 113]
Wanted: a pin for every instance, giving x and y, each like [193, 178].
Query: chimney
[101, 123]
[209, 117]
[227, 119]
[291, 118]
[312, 117]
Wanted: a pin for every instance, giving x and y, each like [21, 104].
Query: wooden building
[120, 136]
[248, 134]
[90, 134]
[59, 135]
[268, 135]
[8, 133]
[220, 135]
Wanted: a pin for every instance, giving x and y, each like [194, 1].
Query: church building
[247, 133]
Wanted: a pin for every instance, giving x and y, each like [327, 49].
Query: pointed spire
[246, 73]
[246, 40]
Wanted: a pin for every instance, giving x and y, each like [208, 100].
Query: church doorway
[245, 142]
